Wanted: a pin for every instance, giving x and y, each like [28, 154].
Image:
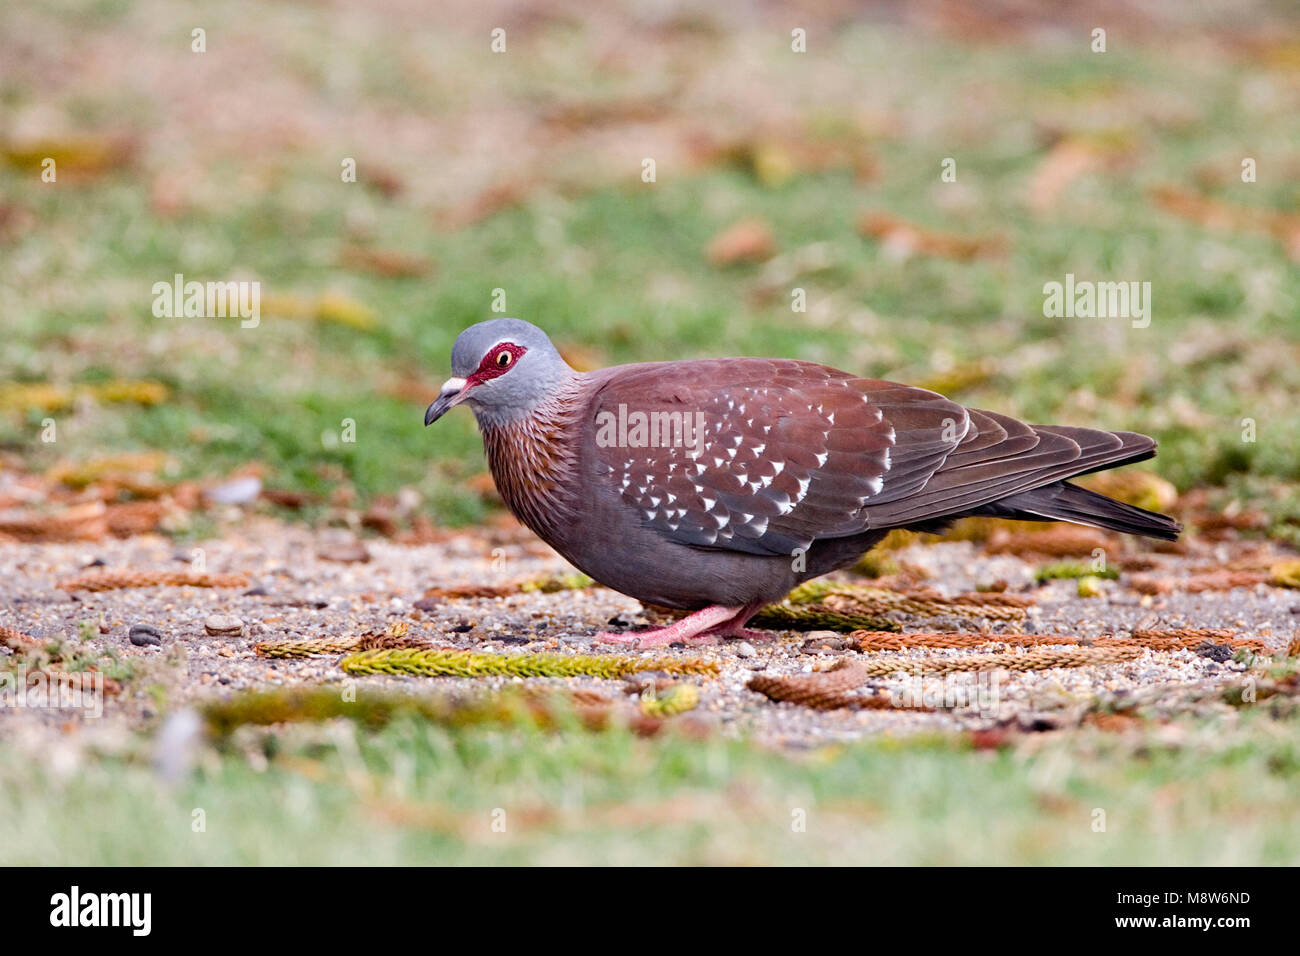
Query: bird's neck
[534, 458]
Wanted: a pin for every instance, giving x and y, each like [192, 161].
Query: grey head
[502, 369]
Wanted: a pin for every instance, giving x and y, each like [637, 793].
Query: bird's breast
[533, 467]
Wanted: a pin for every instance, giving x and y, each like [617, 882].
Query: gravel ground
[311, 584]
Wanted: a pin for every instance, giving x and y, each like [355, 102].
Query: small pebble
[745, 649]
[1037, 723]
[348, 553]
[1215, 652]
[144, 635]
[819, 641]
[219, 624]
[237, 491]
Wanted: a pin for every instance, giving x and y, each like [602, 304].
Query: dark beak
[453, 393]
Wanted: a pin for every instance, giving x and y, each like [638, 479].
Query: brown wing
[770, 455]
[773, 454]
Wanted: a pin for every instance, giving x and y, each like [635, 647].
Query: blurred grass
[1218, 791]
[617, 268]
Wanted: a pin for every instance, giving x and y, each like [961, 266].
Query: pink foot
[735, 630]
[708, 626]
[690, 629]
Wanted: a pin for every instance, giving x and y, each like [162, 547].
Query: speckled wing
[765, 456]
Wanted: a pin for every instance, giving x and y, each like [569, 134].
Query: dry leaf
[903, 239]
[749, 240]
[1217, 214]
[388, 263]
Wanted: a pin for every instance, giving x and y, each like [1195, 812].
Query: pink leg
[691, 626]
[702, 627]
[735, 628]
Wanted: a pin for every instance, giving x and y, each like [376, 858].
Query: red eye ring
[498, 360]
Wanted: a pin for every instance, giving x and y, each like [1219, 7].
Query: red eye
[499, 360]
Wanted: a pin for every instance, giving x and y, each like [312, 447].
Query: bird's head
[502, 369]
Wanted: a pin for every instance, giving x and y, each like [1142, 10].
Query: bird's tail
[1062, 501]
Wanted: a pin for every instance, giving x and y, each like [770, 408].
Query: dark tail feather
[1062, 501]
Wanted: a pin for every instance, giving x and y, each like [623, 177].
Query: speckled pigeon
[717, 485]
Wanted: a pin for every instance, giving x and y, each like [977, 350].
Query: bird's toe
[614, 637]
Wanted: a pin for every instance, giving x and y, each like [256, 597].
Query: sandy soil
[299, 588]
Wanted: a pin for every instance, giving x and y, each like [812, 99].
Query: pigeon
[715, 486]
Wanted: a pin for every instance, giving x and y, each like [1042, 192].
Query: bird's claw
[645, 640]
[706, 626]
[615, 637]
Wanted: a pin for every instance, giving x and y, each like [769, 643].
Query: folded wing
[766, 456]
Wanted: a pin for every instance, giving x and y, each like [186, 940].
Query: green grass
[1207, 792]
[618, 268]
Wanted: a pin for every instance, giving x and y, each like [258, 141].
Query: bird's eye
[504, 358]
